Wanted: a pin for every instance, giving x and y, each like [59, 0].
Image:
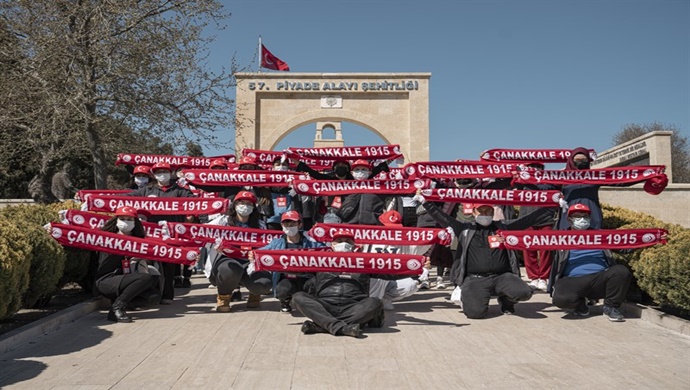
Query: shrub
[46, 255]
[77, 261]
[14, 267]
[662, 271]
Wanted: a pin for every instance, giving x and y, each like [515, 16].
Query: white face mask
[282, 168]
[484, 220]
[581, 223]
[125, 226]
[163, 177]
[360, 175]
[141, 181]
[291, 231]
[343, 247]
[244, 210]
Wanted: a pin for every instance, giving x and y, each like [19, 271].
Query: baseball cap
[291, 215]
[578, 207]
[391, 218]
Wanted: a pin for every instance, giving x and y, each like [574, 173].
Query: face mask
[583, 164]
[244, 210]
[581, 223]
[125, 226]
[360, 175]
[163, 177]
[341, 171]
[281, 168]
[179, 174]
[291, 231]
[141, 181]
[343, 247]
[484, 220]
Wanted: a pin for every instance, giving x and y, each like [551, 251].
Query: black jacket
[340, 289]
[465, 231]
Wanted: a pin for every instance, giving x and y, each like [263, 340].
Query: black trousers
[168, 271]
[611, 284]
[287, 287]
[125, 287]
[477, 291]
[335, 317]
[231, 273]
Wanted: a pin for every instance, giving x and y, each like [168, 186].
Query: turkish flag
[268, 60]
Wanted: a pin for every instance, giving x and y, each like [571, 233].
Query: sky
[504, 74]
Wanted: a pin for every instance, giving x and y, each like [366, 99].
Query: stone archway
[395, 106]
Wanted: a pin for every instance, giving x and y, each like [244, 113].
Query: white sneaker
[387, 304]
[424, 285]
[541, 285]
[439, 283]
[534, 285]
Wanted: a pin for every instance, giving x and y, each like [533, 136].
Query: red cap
[478, 205]
[578, 207]
[391, 218]
[160, 165]
[361, 163]
[247, 160]
[656, 185]
[291, 215]
[142, 169]
[126, 211]
[219, 162]
[342, 233]
[144, 213]
[245, 195]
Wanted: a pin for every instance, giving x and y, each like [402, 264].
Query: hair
[111, 226]
[254, 217]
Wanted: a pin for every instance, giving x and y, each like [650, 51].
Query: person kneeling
[113, 277]
[341, 304]
[580, 274]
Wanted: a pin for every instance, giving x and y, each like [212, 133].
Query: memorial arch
[394, 106]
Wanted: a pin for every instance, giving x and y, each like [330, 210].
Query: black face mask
[341, 171]
[584, 164]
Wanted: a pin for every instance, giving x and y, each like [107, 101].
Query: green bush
[15, 262]
[662, 271]
[46, 255]
[77, 261]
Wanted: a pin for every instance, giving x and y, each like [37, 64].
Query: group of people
[345, 303]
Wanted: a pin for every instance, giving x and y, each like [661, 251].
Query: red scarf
[231, 234]
[265, 159]
[460, 170]
[531, 155]
[119, 244]
[347, 187]
[225, 178]
[369, 234]
[83, 195]
[603, 176]
[159, 206]
[176, 161]
[96, 221]
[492, 196]
[582, 239]
[321, 261]
[394, 174]
[378, 152]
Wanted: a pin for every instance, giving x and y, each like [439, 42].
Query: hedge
[662, 271]
[15, 262]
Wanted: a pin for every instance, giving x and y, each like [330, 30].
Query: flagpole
[258, 70]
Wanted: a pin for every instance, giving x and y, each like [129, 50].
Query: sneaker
[424, 285]
[253, 301]
[387, 304]
[309, 327]
[439, 283]
[582, 310]
[507, 307]
[236, 296]
[542, 285]
[534, 284]
[613, 314]
[285, 306]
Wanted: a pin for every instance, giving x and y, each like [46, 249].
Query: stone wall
[670, 206]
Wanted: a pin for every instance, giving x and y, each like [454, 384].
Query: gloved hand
[563, 203]
[418, 197]
[250, 268]
[165, 229]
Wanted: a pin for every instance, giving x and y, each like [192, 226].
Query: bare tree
[138, 62]
[680, 148]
